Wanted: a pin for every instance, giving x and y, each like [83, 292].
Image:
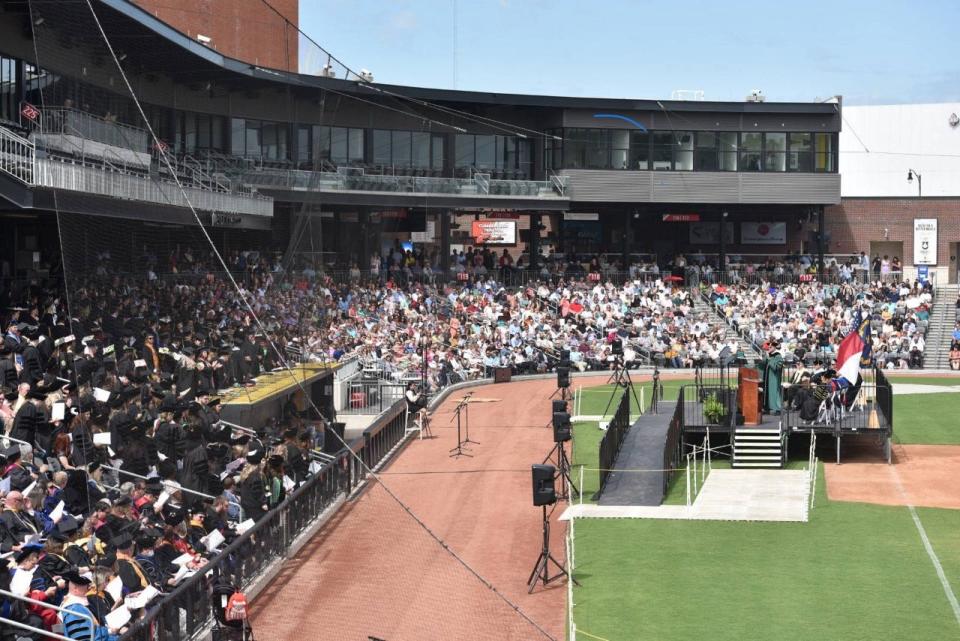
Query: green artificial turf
[595, 399]
[927, 419]
[949, 381]
[853, 572]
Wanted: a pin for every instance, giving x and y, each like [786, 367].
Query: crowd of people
[120, 480]
[809, 320]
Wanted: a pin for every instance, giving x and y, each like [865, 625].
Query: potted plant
[714, 410]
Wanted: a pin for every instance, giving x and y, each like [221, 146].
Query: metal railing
[613, 439]
[17, 156]
[672, 447]
[358, 180]
[188, 609]
[86, 125]
[74, 177]
[369, 396]
[696, 397]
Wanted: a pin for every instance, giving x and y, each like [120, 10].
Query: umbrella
[673, 279]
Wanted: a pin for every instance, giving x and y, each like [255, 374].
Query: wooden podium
[748, 395]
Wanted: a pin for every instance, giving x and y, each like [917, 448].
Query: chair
[411, 424]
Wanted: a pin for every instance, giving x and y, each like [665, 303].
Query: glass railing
[351, 179]
[85, 125]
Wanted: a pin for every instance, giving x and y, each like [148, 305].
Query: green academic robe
[772, 379]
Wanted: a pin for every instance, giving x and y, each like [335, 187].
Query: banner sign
[763, 233]
[29, 112]
[573, 215]
[494, 232]
[924, 241]
[681, 218]
[923, 273]
[709, 233]
[225, 220]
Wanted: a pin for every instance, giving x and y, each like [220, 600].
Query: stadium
[292, 353]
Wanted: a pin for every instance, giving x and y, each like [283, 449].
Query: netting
[179, 281]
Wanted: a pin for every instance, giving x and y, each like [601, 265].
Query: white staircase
[702, 306]
[758, 447]
[936, 354]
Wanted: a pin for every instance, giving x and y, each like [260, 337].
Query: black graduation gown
[8, 372]
[25, 423]
[14, 527]
[253, 495]
[195, 470]
[133, 581]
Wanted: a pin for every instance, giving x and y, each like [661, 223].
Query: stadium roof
[177, 55]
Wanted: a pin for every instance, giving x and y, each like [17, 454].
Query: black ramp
[642, 449]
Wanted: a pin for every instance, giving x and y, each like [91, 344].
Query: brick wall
[855, 222]
[244, 29]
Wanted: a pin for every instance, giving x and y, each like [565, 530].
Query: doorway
[953, 266]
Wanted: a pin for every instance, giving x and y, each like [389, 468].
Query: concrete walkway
[727, 495]
[913, 388]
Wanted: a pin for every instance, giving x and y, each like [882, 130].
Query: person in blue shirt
[79, 621]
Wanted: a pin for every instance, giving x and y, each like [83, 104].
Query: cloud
[402, 21]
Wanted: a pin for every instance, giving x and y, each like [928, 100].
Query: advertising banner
[763, 233]
[709, 233]
[494, 232]
[924, 241]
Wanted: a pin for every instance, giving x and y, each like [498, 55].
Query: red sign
[593, 276]
[806, 278]
[681, 218]
[161, 146]
[463, 276]
[29, 112]
[503, 214]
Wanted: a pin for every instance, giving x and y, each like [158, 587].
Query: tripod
[621, 378]
[564, 393]
[563, 470]
[541, 571]
[458, 450]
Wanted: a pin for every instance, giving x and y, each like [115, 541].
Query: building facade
[900, 170]
[345, 168]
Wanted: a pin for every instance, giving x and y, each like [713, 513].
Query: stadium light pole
[910, 174]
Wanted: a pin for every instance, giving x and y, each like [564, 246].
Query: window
[826, 152]
[401, 148]
[8, 89]
[727, 148]
[303, 144]
[355, 149]
[436, 145]
[620, 149]
[381, 147]
[705, 156]
[253, 139]
[464, 151]
[683, 151]
[639, 150]
[598, 149]
[575, 148]
[486, 151]
[553, 149]
[238, 132]
[321, 143]
[775, 158]
[421, 150]
[800, 154]
[662, 150]
[751, 147]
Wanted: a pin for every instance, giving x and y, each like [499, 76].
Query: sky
[879, 52]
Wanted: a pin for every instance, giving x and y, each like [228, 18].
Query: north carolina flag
[854, 350]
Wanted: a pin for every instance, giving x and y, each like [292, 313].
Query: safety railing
[187, 611]
[75, 122]
[361, 396]
[709, 406]
[613, 439]
[73, 177]
[17, 156]
[358, 180]
[674, 443]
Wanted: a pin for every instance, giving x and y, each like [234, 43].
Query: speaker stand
[563, 471]
[541, 571]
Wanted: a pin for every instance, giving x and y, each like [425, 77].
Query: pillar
[445, 241]
[363, 261]
[821, 240]
[625, 241]
[534, 247]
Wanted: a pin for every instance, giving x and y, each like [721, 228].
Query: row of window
[691, 150]
[9, 91]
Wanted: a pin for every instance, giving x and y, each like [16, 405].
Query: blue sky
[876, 52]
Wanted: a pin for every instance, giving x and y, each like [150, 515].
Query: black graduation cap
[173, 516]
[12, 453]
[106, 560]
[74, 577]
[37, 395]
[121, 541]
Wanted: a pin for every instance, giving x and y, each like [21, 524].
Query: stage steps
[758, 447]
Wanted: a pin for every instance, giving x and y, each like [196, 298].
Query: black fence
[613, 439]
[190, 606]
[674, 443]
[712, 405]
[867, 410]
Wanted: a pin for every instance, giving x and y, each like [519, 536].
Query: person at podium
[772, 365]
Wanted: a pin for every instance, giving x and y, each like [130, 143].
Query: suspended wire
[280, 356]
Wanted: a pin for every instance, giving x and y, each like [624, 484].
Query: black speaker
[559, 405]
[561, 427]
[544, 492]
[565, 358]
[563, 377]
[616, 346]
[332, 444]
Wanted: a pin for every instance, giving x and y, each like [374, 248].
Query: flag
[854, 351]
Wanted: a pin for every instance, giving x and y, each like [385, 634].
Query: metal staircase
[943, 316]
[759, 447]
